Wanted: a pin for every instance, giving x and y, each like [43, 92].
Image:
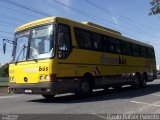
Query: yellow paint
[35, 23]
[31, 70]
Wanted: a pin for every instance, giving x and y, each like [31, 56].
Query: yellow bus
[56, 55]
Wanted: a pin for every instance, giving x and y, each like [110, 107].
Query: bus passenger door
[65, 69]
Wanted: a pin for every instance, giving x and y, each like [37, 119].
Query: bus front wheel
[85, 88]
[143, 81]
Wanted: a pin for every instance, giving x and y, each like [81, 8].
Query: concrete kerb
[4, 86]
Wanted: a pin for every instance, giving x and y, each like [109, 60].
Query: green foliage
[4, 70]
[155, 7]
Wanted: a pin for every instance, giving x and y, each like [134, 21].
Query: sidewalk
[3, 90]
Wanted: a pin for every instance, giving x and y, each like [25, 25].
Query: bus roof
[92, 25]
[101, 27]
[35, 23]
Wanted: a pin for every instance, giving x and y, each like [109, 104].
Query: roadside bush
[4, 70]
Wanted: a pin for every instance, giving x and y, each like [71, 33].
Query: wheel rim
[85, 87]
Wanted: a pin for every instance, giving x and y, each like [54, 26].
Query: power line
[126, 19]
[6, 32]
[25, 7]
[14, 10]
[90, 15]
[13, 18]
[116, 14]
[95, 17]
[9, 23]
[10, 20]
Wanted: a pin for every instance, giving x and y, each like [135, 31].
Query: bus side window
[97, 41]
[104, 43]
[143, 51]
[125, 48]
[83, 38]
[136, 50]
[64, 41]
[151, 53]
[110, 44]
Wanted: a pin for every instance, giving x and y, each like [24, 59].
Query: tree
[4, 70]
[155, 7]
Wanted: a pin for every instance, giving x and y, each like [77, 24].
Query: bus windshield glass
[36, 43]
[20, 50]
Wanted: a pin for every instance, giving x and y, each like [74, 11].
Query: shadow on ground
[124, 93]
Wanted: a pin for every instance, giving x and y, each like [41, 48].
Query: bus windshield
[36, 43]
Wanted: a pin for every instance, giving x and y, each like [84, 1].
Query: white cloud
[66, 2]
[114, 17]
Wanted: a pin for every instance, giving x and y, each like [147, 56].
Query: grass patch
[4, 83]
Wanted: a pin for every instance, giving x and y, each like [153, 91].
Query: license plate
[28, 91]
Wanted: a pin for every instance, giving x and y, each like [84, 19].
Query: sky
[130, 17]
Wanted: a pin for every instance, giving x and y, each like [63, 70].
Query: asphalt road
[126, 101]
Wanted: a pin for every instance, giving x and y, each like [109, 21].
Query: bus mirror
[4, 46]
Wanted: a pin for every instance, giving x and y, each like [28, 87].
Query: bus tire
[136, 82]
[85, 88]
[48, 97]
[143, 80]
[118, 87]
[106, 88]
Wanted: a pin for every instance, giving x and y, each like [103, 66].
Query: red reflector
[52, 77]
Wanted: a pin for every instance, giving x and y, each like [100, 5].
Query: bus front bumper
[38, 88]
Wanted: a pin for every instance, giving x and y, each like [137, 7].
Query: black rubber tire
[136, 83]
[86, 89]
[106, 88]
[143, 82]
[48, 97]
[119, 87]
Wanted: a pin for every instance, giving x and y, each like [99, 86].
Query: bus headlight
[42, 77]
[12, 79]
[50, 77]
[47, 77]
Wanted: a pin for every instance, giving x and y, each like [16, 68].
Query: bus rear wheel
[143, 80]
[118, 87]
[48, 97]
[136, 82]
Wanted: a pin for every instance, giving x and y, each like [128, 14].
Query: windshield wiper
[22, 50]
[34, 58]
